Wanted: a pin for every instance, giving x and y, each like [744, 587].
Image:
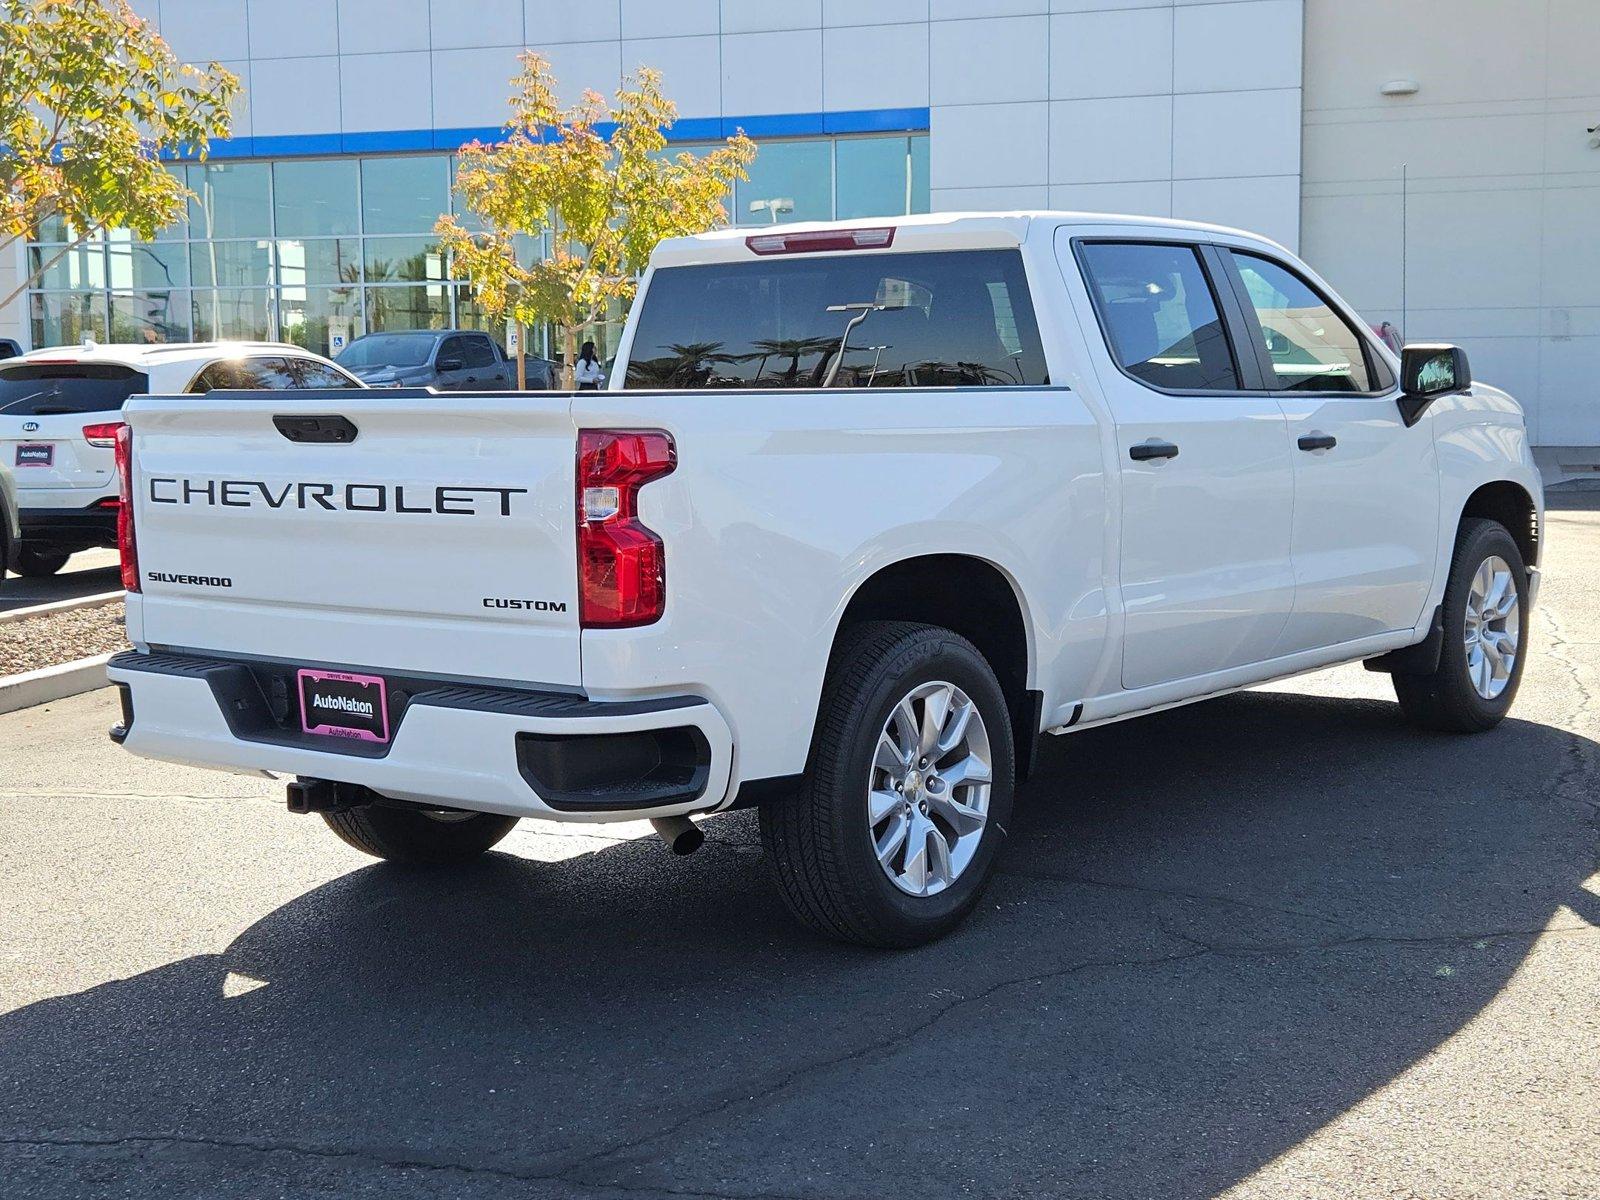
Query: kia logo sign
[30, 427]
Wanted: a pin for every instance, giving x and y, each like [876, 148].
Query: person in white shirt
[586, 372]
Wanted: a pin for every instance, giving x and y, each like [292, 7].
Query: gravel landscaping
[49, 641]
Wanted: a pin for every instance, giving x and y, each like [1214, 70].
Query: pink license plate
[337, 704]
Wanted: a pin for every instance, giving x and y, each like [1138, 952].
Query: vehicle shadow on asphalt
[1214, 931]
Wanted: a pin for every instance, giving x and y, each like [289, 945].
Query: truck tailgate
[436, 535]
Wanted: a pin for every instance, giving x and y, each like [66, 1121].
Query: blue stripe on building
[690, 129]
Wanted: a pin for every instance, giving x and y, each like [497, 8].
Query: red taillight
[879, 237]
[104, 436]
[622, 565]
[126, 546]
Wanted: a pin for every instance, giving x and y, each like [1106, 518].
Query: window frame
[1378, 369]
[1247, 369]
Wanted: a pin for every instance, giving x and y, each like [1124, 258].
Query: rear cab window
[44, 389]
[960, 318]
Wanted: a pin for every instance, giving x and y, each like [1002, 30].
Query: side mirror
[448, 364]
[1428, 372]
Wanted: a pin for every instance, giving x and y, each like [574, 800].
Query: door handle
[1318, 441]
[1152, 448]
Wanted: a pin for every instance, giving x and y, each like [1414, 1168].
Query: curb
[53, 683]
[60, 606]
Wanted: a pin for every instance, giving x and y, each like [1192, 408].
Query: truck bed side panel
[784, 503]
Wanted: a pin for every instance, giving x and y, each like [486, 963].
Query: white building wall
[1166, 108]
[1499, 241]
[13, 316]
[1172, 108]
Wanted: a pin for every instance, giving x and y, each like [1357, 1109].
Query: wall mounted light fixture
[1399, 87]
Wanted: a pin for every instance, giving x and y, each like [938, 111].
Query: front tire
[413, 835]
[892, 837]
[40, 564]
[1485, 617]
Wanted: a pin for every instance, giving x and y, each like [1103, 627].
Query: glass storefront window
[150, 317]
[231, 200]
[322, 319]
[244, 313]
[397, 260]
[318, 260]
[69, 267]
[874, 177]
[314, 197]
[403, 195]
[231, 264]
[404, 307]
[134, 265]
[66, 318]
[920, 201]
[297, 247]
[458, 205]
[789, 181]
[56, 229]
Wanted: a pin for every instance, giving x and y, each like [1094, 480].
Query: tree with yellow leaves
[605, 201]
[91, 99]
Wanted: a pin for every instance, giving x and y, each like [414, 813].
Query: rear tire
[412, 835]
[1485, 618]
[874, 848]
[40, 564]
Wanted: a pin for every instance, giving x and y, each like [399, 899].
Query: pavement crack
[882, 1045]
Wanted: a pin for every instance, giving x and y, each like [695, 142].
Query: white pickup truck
[869, 509]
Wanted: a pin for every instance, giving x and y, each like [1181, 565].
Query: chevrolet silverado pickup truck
[868, 510]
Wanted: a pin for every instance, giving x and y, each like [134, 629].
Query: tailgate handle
[329, 429]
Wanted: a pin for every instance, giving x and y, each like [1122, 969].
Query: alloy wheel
[1493, 627]
[928, 788]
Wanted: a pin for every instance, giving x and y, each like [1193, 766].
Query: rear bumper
[69, 528]
[479, 747]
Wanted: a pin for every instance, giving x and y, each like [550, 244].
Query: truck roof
[929, 231]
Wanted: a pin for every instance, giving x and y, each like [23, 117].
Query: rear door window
[297, 373]
[232, 374]
[43, 389]
[480, 351]
[269, 373]
[938, 319]
[1160, 315]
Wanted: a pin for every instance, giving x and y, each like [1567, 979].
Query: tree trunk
[522, 357]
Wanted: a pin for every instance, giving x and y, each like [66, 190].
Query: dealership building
[1432, 158]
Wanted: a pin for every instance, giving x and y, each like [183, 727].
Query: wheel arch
[974, 597]
[1508, 503]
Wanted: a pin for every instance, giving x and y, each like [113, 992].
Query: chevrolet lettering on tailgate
[444, 500]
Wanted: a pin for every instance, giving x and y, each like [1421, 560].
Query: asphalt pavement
[1273, 945]
[87, 573]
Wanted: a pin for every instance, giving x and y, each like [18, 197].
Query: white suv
[59, 413]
